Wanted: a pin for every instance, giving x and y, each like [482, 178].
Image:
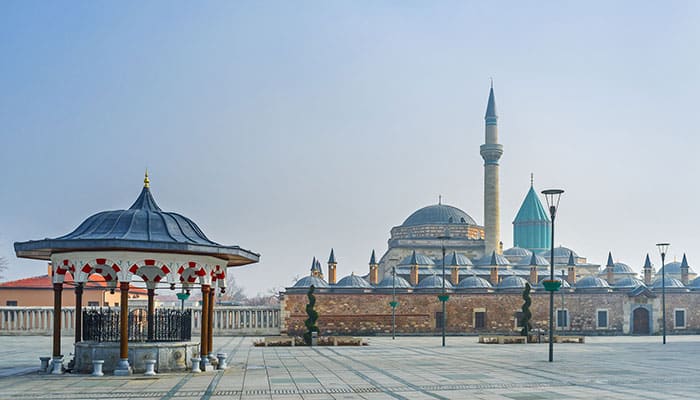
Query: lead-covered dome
[474, 282]
[307, 281]
[433, 282]
[438, 214]
[353, 281]
[389, 282]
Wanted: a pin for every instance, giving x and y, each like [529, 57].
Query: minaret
[491, 152]
[332, 264]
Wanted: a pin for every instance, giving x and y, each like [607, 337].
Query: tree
[234, 293]
[3, 267]
[313, 316]
[527, 315]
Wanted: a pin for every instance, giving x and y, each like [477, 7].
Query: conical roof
[531, 210]
[491, 106]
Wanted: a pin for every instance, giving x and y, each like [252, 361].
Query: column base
[123, 368]
[44, 364]
[205, 365]
[56, 365]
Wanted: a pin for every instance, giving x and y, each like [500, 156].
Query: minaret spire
[491, 152]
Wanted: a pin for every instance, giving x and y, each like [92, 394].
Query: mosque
[481, 276]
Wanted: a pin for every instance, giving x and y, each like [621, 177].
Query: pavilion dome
[474, 282]
[142, 227]
[420, 259]
[488, 260]
[672, 268]
[307, 281]
[456, 259]
[438, 214]
[433, 282]
[619, 268]
[592, 282]
[353, 281]
[539, 261]
[388, 282]
[512, 282]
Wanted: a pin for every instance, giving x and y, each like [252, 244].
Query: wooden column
[79, 313]
[210, 330]
[124, 321]
[57, 289]
[204, 326]
[151, 313]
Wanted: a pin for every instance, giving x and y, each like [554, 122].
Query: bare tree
[3, 267]
[234, 293]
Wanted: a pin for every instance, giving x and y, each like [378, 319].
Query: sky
[290, 128]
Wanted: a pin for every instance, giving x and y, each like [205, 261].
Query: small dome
[433, 282]
[438, 214]
[564, 283]
[592, 282]
[388, 282]
[628, 282]
[619, 268]
[512, 282]
[695, 283]
[539, 261]
[474, 282]
[670, 283]
[559, 252]
[353, 281]
[307, 281]
[456, 259]
[673, 268]
[517, 252]
[488, 260]
[421, 259]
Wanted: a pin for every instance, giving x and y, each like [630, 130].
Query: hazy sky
[289, 128]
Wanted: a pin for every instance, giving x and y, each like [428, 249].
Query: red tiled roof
[45, 282]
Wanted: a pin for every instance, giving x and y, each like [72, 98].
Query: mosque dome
[474, 282]
[672, 268]
[353, 281]
[512, 282]
[619, 268]
[670, 283]
[538, 261]
[307, 281]
[433, 282]
[592, 282]
[492, 259]
[694, 284]
[559, 252]
[388, 283]
[517, 252]
[420, 260]
[628, 282]
[438, 214]
[457, 259]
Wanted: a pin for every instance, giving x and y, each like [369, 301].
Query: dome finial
[439, 199]
[146, 181]
[532, 179]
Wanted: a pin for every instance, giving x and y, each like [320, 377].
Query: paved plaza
[405, 368]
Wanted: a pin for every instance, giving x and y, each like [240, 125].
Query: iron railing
[169, 325]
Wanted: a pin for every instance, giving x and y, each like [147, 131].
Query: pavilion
[158, 247]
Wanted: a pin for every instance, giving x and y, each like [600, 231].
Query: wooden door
[640, 321]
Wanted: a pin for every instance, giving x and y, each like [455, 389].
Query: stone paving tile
[406, 368]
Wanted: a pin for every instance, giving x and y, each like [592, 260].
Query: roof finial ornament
[491, 78]
[532, 179]
[146, 181]
[439, 199]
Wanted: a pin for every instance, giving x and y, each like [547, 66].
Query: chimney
[609, 267]
[571, 277]
[373, 270]
[332, 264]
[684, 270]
[414, 275]
[494, 275]
[455, 275]
[533, 275]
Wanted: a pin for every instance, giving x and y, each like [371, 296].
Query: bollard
[314, 338]
[222, 360]
[97, 367]
[195, 364]
[150, 365]
[44, 363]
[57, 365]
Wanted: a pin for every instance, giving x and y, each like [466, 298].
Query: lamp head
[663, 248]
[552, 197]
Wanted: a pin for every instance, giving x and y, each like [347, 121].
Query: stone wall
[370, 313]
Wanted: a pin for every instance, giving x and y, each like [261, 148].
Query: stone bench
[501, 339]
[569, 339]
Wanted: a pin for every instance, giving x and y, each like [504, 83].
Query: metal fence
[169, 325]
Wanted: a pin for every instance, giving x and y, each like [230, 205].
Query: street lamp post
[552, 196]
[663, 248]
[443, 297]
